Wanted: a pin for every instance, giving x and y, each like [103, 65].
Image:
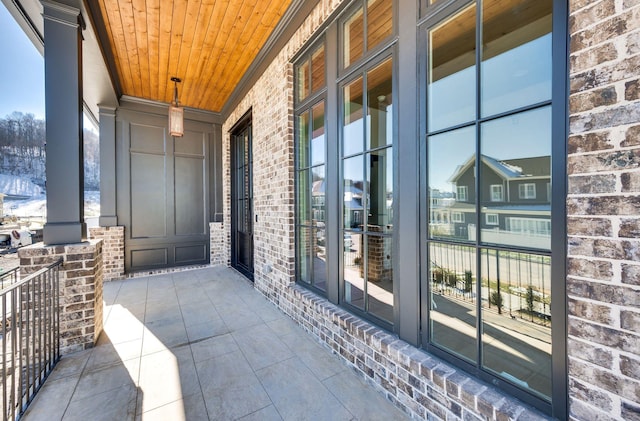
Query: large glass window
[489, 148]
[367, 168]
[311, 144]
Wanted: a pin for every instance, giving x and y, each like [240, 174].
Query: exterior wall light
[176, 113]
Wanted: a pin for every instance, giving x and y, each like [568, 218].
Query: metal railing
[30, 337]
[9, 277]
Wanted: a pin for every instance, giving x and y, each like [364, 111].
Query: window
[488, 78]
[310, 142]
[367, 168]
[462, 193]
[496, 193]
[344, 219]
[367, 136]
[527, 191]
[492, 218]
[529, 226]
[377, 15]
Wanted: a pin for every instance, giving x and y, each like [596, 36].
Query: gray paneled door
[242, 200]
[165, 199]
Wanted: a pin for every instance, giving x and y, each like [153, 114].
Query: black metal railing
[30, 337]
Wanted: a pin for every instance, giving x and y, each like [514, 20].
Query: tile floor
[197, 345]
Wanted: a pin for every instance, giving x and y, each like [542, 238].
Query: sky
[22, 73]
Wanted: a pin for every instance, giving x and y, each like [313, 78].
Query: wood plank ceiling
[209, 44]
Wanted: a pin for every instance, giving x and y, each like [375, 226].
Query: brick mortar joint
[399, 353]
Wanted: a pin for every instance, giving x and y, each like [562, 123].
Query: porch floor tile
[202, 344]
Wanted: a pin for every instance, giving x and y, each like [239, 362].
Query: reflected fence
[513, 283]
[29, 335]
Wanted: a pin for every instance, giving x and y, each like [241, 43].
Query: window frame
[457, 217]
[358, 70]
[527, 191]
[500, 197]
[383, 45]
[306, 105]
[462, 193]
[491, 216]
[431, 16]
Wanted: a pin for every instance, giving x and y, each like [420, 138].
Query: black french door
[242, 199]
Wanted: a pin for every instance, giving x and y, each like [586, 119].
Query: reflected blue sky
[515, 78]
[22, 74]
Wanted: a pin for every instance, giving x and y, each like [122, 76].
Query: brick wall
[420, 384]
[603, 206]
[112, 250]
[81, 275]
[219, 244]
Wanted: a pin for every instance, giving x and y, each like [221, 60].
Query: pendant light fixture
[176, 113]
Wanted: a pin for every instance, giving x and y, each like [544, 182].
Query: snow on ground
[36, 206]
[18, 186]
[31, 214]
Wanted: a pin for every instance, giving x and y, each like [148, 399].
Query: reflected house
[318, 201]
[515, 201]
[440, 212]
[353, 205]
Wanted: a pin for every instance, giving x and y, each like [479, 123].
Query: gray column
[108, 214]
[407, 264]
[333, 181]
[63, 105]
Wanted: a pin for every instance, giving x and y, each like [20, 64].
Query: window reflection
[516, 54]
[304, 199]
[353, 33]
[302, 77]
[452, 272]
[317, 69]
[368, 191]
[318, 204]
[380, 193]
[320, 258]
[451, 88]
[304, 254]
[516, 159]
[379, 106]
[452, 184]
[379, 21]
[516, 318]
[302, 144]
[380, 276]
[353, 265]
[353, 185]
[317, 134]
[353, 129]
[489, 183]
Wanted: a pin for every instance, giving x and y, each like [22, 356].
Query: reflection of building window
[527, 191]
[548, 192]
[462, 193]
[492, 218]
[496, 193]
[457, 216]
[530, 226]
